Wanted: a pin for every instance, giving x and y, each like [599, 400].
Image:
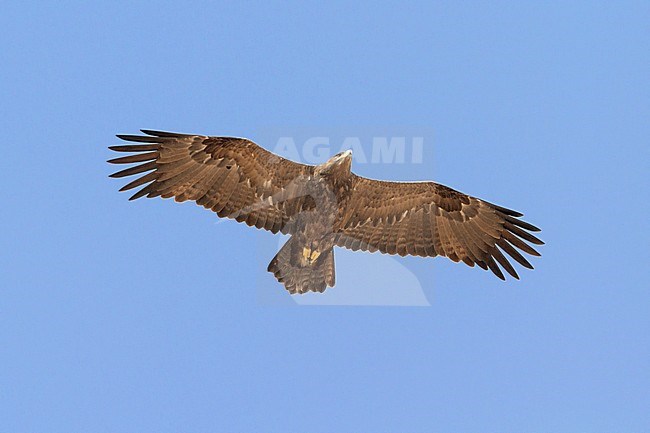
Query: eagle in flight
[323, 206]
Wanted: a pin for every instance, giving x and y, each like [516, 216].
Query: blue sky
[150, 316]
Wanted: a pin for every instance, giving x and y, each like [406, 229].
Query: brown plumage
[324, 206]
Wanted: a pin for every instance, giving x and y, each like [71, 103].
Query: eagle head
[338, 164]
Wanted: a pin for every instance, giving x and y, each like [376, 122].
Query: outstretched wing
[234, 177]
[428, 219]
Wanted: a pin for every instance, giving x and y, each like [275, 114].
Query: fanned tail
[295, 267]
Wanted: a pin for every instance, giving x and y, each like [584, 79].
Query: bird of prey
[323, 206]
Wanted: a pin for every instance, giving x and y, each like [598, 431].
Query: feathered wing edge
[513, 233]
[147, 154]
[233, 177]
[470, 230]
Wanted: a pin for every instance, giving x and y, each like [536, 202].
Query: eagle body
[306, 261]
[324, 206]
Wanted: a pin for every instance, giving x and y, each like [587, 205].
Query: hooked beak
[343, 155]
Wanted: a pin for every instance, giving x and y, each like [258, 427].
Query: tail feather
[299, 275]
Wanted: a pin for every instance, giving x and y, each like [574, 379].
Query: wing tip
[504, 210]
[163, 134]
[114, 161]
[151, 137]
[513, 216]
[153, 132]
[141, 193]
[533, 228]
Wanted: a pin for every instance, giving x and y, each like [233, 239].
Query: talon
[310, 256]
